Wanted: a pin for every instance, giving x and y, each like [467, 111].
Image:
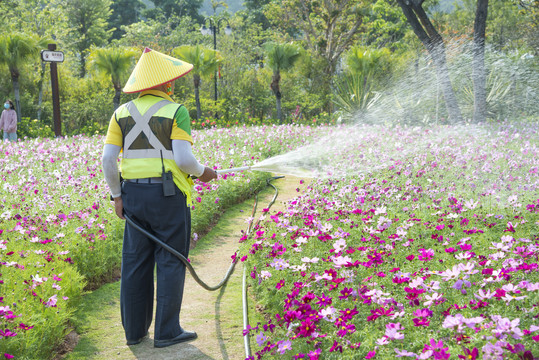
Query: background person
[155, 136]
[8, 121]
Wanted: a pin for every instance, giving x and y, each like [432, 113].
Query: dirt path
[215, 316]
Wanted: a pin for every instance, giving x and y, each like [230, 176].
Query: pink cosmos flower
[403, 353]
[284, 346]
[432, 299]
[392, 331]
[261, 339]
[484, 295]
[52, 301]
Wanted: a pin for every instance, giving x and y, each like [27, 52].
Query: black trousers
[169, 219]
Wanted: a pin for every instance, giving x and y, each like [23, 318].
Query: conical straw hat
[154, 69]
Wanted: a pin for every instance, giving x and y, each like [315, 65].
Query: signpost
[54, 57]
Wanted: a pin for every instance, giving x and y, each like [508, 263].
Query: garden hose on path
[184, 260]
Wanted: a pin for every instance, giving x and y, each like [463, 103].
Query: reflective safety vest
[146, 138]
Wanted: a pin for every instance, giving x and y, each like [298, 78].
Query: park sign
[52, 56]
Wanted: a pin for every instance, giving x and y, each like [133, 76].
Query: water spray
[272, 168]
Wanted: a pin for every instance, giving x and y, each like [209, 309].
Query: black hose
[184, 260]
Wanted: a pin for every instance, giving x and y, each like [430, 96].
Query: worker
[154, 135]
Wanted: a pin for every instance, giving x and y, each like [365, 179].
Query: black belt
[152, 180]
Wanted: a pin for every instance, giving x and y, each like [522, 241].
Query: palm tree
[369, 63]
[281, 57]
[15, 50]
[205, 62]
[116, 63]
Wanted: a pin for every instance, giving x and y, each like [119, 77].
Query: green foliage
[87, 107]
[88, 25]
[205, 61]
[124, 12]
[511, 84]
[81, 25]
[386, 25]
[33, 128]
[16, 49]
[179, 8]
[370, 63]
[114, 63]
[368, 71]
[353, 94]
[281, 57]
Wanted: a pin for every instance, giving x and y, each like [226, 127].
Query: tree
[37, 17]
[205, 62]
[385, 26]
[124, 12]
[116, 63]
[328, 27]
[433, 42]
[215, 4]
[255, 11]
[15, 50]
[88, 20]
[478, 62]
[180, 7]
[280, 57]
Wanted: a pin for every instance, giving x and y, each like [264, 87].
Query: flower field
[58, 233]
[411, 243]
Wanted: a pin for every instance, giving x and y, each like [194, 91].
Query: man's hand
[119, 207]
[208, 175]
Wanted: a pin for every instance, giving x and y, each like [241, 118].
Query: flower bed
[58, 231]
[426, 248]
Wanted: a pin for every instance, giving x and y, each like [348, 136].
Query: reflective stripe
[142, 125]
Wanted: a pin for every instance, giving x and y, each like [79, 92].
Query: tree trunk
[197, 99]
[40, 85]
[275, 79]
[278, 105]
[432, 40]
[15, 81]
[82, 64]
[478, 62]
[450, 99]
[196, 82]
[117, 97]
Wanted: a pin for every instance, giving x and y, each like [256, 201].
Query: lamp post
[213, 30]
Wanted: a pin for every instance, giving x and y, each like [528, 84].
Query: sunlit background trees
[360, 59]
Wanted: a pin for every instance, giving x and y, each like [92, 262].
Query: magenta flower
[346, 329]
[347, 314]
[335, 347]
[323, 300]
[470, 355]
[435, 346]
[370, 355]
[423, 313]
[306, 328]
[346, 292]
[421, 322]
